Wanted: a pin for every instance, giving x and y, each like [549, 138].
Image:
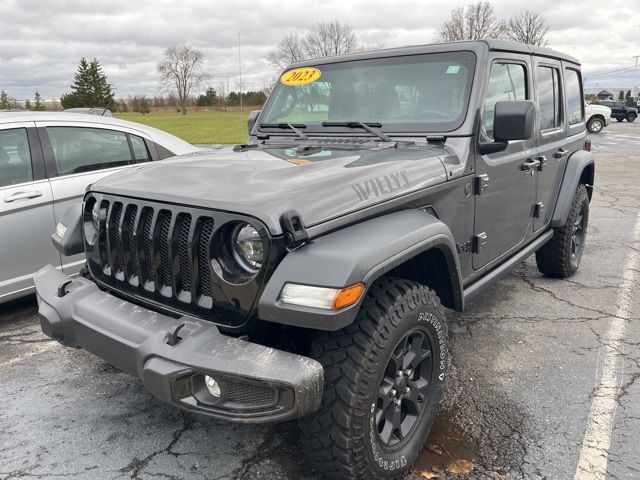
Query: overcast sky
[42, 41]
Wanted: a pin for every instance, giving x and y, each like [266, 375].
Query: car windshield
[413, 93]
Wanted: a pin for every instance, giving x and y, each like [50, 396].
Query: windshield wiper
[357, 124]
[289, 126]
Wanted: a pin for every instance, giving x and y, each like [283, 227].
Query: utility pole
[636, 84]
[240, 71]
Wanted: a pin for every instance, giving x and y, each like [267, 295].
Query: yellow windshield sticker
[300, 76]
[299, 161]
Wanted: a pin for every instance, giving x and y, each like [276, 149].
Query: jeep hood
[267, 182]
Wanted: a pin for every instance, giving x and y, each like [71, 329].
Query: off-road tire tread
[554, 257]
[349, 357]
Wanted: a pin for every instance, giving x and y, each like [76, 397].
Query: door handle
[23, 196]
[561, 152]
[530, 165]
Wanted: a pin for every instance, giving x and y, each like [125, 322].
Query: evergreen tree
[27, 104]
[628, 93]
[5, 103]
[90, 87]
[37, 102]
[621, 95]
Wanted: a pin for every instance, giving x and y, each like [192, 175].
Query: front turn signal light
[348, 296]
[321, 297]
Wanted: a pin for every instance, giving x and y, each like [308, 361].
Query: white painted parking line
[594, 455]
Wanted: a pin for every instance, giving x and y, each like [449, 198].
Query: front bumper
[258, 383]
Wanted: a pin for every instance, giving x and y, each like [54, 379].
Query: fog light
[212, 386]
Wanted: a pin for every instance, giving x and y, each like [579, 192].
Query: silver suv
[47, 159]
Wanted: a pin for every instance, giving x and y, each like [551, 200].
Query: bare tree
[528, 27]
[181, 68]
[329, 38]
[471, 22]
[289, 50]
[322, 39]
[222, 89]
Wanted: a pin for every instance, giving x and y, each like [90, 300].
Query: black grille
[173, 257]
[183, 224]
[146, 260]
[204, 236]
[250, 395]
[164, 274]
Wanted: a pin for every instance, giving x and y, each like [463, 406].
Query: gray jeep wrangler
[305, 274]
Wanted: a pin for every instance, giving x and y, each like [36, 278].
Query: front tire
[384, 376]
[595, 125]
[631, 117]
[560, 257]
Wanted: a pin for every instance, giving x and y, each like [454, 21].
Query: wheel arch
[411, 244]
[580, 169]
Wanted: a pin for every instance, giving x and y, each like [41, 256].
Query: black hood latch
[294, 231]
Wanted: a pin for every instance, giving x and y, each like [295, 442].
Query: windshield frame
[408, 128]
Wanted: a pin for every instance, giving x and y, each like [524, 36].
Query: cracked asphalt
[527, 358]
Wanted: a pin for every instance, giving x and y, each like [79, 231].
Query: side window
[507, 81]
[164, 152]
[15, 158]
[80, 149]
[575, 104]
[549, 98]
[140, 152]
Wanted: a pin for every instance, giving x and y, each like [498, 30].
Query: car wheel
[560, 257]
[631, 117]
[384, 376]
[595, 125]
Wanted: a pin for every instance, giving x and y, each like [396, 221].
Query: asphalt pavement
[544, 383]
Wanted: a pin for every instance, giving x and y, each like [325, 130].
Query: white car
[598, 117]
[47, 159]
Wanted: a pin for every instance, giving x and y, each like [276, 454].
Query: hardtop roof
[473, 45]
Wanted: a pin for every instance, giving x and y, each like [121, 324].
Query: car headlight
[247, 248]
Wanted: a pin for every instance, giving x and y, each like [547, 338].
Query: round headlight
[247, 247]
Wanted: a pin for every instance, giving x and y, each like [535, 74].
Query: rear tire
[385, 370]
[631, 117]
[595, 125]
[560, 257]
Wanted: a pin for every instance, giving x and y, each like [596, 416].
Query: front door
[26, 211]
[503, 207]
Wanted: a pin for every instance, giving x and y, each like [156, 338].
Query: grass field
[197, 127]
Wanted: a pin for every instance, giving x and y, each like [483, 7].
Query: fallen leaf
[433, 448]
[427, 474]
[460, 467]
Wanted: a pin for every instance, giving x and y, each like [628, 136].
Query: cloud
[42, 42]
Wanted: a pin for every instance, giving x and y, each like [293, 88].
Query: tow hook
[172, 337]
[62, 289]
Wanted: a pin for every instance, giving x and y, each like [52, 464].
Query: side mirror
[251, 121]
[67, 238]
[512, 120]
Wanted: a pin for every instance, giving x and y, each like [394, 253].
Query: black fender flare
[580, 169]
[359, 253]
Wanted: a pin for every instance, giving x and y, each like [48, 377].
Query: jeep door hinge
[538, 210]
[481, 184]
[479, 241]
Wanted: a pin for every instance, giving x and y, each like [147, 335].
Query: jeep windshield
[403, 94]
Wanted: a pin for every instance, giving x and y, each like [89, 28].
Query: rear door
[503, 208]
[26, 211]
[552, 129]
[78, 155]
